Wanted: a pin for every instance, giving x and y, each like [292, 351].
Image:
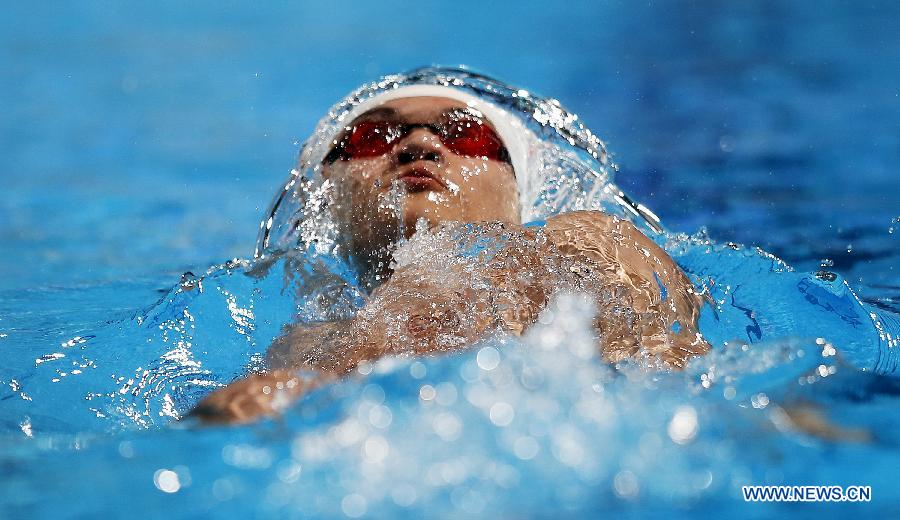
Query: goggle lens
[466, 136]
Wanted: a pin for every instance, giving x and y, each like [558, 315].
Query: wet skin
[418, 311]
[433, 182]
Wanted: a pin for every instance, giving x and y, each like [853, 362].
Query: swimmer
[452, 168]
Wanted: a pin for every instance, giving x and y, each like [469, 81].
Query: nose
[419, 145]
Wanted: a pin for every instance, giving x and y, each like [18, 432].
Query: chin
[411, 218]
[419, 206]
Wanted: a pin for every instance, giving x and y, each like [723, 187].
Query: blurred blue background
[143, 140]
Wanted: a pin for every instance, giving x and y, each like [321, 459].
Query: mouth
[418, 179]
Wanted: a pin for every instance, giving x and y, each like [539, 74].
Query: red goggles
[462, 133]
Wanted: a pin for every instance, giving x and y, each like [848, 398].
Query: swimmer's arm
[417, 311]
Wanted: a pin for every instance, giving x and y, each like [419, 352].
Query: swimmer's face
[422, 157]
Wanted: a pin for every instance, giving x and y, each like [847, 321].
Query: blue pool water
[143, 144]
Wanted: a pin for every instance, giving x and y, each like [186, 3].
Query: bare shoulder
[581, 217]
[615, 252]
[612, 242]
[597, 226]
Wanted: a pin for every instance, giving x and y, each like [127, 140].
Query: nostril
[419, 145]
[411, 154]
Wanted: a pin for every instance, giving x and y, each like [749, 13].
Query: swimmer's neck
[374, 268]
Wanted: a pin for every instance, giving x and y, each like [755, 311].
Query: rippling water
[772, 125]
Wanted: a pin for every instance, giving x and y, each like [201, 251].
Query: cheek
[487, 180]
[365, 172]
[467, 177]
[357, 178]
[489, 192]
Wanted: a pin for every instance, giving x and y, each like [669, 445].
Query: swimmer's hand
[252, 398]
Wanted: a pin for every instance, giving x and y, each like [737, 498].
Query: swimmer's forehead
[418, 109]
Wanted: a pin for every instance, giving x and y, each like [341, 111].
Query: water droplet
[625, 484]
[526, 448]
[427, 393]
[166, 481]
[683, 426]
[502, 414]
[488, 358]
